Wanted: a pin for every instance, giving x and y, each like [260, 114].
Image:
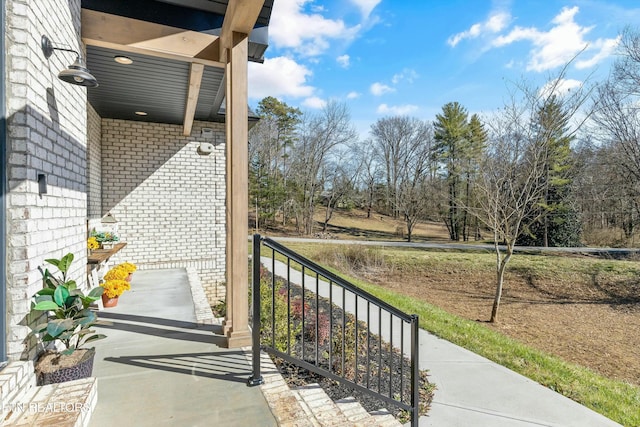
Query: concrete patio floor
[158, 366]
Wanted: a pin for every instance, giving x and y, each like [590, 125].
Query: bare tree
[340, 178]
[396, 141]
[415, 189]
[318, 135]
[617, 128]
[514, 166]
[509, 187]
[371, 173]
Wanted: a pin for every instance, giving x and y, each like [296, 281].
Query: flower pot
[109, 302]
[55, 368]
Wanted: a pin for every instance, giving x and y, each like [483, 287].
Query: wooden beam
[217, 101]
[195, 79]
[132, 35]
[241, 16]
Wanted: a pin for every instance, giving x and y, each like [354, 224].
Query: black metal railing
[314, 319]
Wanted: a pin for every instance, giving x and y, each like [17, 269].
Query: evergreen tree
[452, 136]
[555, 222]
[270, 141]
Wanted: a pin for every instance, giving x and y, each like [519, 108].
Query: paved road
[615, 252]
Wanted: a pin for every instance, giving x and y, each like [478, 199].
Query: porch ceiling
[178, 52]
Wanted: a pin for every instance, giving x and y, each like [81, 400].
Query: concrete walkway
[159, 367]
[471, 390]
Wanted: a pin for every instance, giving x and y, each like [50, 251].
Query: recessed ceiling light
[141, 113]
[121, 59]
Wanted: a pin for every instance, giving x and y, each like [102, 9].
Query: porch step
[319, 406]
[68, 404]
[358, 416]
[310, 406]
[17, 379]
[342, 413]
[284, 404]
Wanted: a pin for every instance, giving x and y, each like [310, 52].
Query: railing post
[415, 371]
[256, 378]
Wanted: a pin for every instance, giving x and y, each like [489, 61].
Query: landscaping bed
[368, 360]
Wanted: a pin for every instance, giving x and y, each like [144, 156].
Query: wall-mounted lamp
[77, 73]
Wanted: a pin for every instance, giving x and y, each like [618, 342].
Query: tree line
[551, 167]
[583, 146]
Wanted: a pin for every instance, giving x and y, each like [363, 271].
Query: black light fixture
[77, 73]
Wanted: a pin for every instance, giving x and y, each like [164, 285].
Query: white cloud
[314, 102]
[307, 34]
[378, 89]
[366, 6]
[407, 74]
[495, 23]
[559, 87]
[343, 60]
[604, 48]
[396, 110]
[561, 43]
[280, 76]
[353, 95]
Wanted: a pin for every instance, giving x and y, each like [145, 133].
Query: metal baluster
[289, 306]
[256, 377]
[401, 360]
[368, 342]
[303, 312]
[344, 327]
[355, 378]
[379, 348]
[330, 325]
[415, 370]
[390, 353]
[273, 298]
[317, 314]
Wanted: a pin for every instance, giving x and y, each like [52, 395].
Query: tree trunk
[501, 264]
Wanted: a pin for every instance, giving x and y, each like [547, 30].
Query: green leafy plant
[70, 316]
[105, 236]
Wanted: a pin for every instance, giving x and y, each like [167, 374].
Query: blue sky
[410, 57]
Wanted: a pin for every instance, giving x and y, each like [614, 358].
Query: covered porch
[167, 136]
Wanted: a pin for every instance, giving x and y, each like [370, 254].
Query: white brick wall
[94, 166]
[46, 134]
[168, 199]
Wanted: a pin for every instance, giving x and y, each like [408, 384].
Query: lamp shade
[78, 74]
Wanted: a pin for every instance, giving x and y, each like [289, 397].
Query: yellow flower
[116, 273]
[92, 243]
[115, 288]
[128, 267]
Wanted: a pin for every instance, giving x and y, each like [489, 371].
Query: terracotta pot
[109, 302]
[81, 369]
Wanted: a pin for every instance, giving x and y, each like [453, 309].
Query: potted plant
[106, 239]
[113, 288]
[69, 319]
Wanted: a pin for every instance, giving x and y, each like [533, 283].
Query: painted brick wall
[46, 134]
[94, 167]
[168, 199]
